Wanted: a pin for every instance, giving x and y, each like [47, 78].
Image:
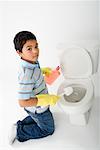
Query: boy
[33, 93]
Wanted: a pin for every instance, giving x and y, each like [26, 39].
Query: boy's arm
[28, 102]
[40, 100]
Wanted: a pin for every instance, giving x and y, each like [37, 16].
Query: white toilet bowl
[77, 68]
[82, 102]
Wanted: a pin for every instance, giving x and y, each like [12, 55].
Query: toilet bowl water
[77, 94]
[73, 93]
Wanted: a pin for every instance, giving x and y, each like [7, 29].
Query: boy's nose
[36, 53]
[36, 50]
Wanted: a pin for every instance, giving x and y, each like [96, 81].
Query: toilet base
[79, 119]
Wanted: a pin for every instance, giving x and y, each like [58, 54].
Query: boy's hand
[46, 71]
[46, 99]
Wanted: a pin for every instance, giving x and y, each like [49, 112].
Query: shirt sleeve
[26, 84]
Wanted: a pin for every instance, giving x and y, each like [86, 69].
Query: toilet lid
[76, 63]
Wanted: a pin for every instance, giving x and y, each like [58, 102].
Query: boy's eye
[29, 49]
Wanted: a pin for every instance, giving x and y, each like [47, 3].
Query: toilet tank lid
[76, 63]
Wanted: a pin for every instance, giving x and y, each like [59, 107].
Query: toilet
[78, 66]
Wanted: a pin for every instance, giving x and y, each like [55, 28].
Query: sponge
[52, 76]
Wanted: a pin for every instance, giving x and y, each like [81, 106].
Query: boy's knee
[51, 131]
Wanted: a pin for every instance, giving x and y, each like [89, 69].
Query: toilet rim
[87, 83]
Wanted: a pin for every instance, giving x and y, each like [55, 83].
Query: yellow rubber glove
[46, 71]
[46, 99]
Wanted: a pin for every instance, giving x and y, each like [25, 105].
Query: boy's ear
[18, 52]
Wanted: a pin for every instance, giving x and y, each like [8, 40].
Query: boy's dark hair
[21, 38]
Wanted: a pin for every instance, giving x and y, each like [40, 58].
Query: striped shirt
[31, 83]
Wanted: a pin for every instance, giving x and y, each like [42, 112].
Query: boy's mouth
[36, 55]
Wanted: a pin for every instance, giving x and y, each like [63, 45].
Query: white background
[53, 23]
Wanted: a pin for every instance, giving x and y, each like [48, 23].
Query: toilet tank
[91, 46]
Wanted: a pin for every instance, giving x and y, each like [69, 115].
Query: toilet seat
[84, 104]
[76, 63]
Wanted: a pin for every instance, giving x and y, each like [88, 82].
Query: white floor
[66, 136]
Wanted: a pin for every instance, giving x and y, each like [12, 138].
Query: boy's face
[30, 51]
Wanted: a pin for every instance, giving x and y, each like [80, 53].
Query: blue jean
[35, 126]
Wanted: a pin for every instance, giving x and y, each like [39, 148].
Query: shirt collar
[29, 65]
